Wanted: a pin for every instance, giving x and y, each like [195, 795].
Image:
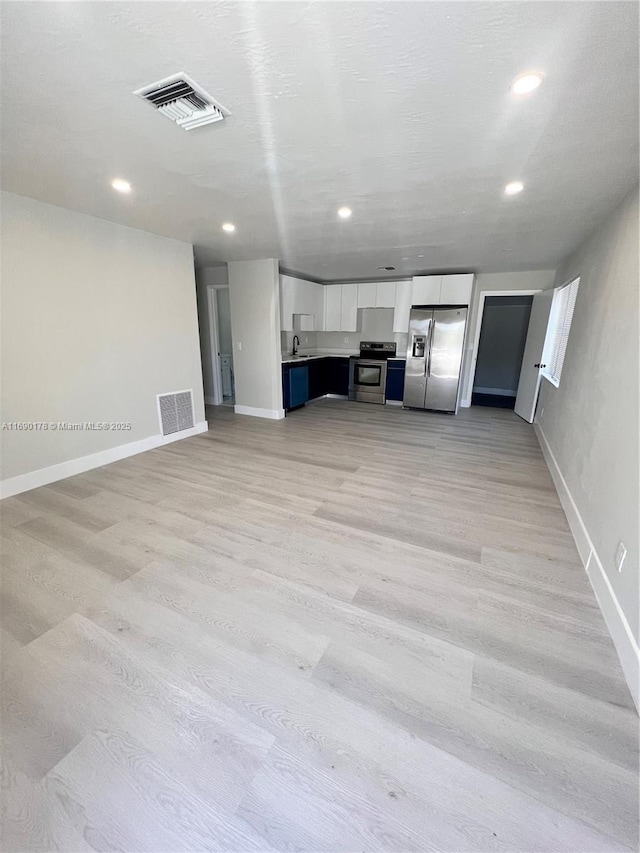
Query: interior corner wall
[97, 319]
[499, 281]
[254, 296]
[205, 277]
[588, 426]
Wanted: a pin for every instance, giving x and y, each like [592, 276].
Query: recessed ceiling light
[421, 256]
[527, 82]
[228, 226]
[121, 185]
[514, 188]
[344, 212]
[405, 259]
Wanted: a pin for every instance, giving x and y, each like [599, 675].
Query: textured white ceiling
[400, 110]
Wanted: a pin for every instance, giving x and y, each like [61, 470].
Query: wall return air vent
[175, 412]
[180, 99]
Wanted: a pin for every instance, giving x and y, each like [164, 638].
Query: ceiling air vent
[175, 411]
[180, 99]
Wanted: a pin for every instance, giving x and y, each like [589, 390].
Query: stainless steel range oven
[368, 372]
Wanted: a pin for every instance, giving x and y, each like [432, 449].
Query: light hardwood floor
[357, 629]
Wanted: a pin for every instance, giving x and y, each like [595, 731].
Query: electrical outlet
[345, 340]
[306, 339]
[542, 411]
[621, 553]
[239, 345]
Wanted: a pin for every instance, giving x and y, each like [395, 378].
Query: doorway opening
[221, 346]
[503, 335]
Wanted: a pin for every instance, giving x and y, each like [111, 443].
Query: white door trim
[476, 333]
[214, 344]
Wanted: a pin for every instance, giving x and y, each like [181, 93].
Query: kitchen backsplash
[351, 341]
[337, 341]
[308, 341]
[376, 324]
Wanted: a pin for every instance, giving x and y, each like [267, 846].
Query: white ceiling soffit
[398, 110]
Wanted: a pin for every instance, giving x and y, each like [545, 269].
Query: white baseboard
[271, 414]
[44, 476]
[393, 402]
[616, 622]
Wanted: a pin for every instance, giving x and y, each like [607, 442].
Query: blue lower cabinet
[286, 402]
[395, 380]
[317, 368]
[338, 376]
[320, 376]
[298, 386]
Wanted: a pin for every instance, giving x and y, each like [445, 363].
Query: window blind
[561, 315]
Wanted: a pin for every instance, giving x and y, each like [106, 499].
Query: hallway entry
[502, 340]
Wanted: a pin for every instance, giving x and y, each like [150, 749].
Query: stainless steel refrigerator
[434, 357]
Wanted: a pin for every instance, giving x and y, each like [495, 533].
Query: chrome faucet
[295, 348]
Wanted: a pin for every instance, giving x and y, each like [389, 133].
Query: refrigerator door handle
[428, 367]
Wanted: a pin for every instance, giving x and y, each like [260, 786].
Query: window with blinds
[564, 301]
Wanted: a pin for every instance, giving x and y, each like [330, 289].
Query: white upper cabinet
[377, 294]
[298, 296]
[287, 295]
[367, 295]
[317, 305]
[442, 289]
[304, 323]
[340, 308]
[402, 307]
[307, 301]
[385, 294]
[349, 308]
[426, 289]
[456, 289]
[332, 307]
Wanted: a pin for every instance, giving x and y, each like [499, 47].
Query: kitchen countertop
[290, 359]
[310, 356]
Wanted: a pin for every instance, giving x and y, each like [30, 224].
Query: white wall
[97, 319]
[254, 294]
[534, 280]
[590, 423]
[205, 277]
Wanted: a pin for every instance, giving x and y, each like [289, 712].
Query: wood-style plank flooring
[357, 629]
